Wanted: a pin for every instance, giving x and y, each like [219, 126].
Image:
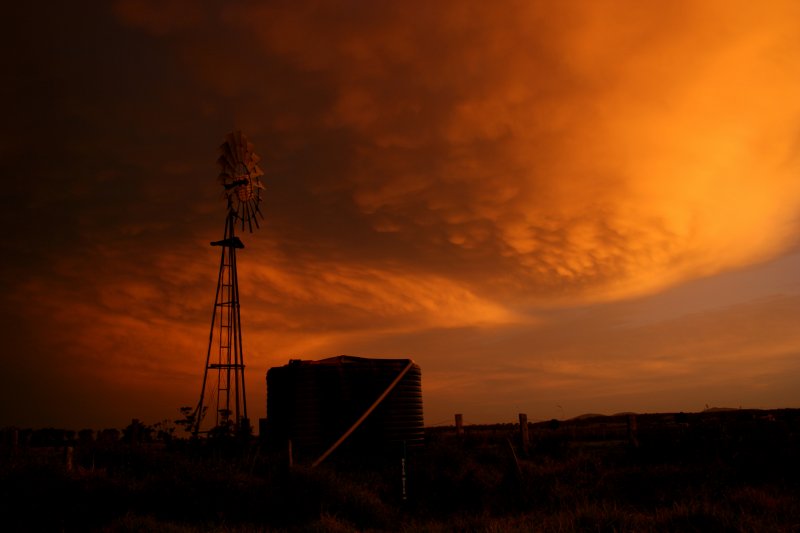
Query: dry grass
[736, 472]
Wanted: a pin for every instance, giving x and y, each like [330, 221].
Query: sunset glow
[552, 207]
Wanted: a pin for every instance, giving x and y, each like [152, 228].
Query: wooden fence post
[403, 472]
[68, 455]
[523, 432]
[632, 437]
[459, 424]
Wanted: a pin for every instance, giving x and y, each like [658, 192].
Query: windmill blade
[231, 137]
[255, 171]
[228, 151]
[240, 144]
[225, 160]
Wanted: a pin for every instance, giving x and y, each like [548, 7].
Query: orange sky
[552, 207]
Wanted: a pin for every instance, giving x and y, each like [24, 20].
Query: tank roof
[346, 359]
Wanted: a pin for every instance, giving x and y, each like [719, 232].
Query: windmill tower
[223, 403]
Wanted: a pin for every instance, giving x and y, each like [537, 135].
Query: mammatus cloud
[568, 150]
[572, 150]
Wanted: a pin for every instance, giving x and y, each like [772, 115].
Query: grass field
[716, 471]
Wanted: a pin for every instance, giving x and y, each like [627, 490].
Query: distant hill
[588, 415]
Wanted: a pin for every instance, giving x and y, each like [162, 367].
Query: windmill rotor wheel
[240, 177]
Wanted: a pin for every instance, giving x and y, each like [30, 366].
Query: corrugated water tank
[313, 403]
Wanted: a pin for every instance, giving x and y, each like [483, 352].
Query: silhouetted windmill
[223, 378]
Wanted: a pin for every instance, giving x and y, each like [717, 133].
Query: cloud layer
[568, 150]
[596, 152]
[432, 169]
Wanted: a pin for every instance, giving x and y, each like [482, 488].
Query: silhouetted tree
[86, 436]
[225, 429]
[245, 429]
[49, 437]
[136, 432]
[108, 436]
[188, 418]
[165, 430]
